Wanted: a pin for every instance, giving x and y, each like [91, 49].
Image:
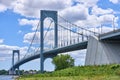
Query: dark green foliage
[3, 72]
[115, 66]
[63, 61]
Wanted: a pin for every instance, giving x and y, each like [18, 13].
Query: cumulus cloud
[6, 51]
[32, 23]
[25, 8]
[94, 21]
[99, 11]
[4, 5]
[115, 1]
[108, 19]
[78, 13]
[90, 22]
[7, 3]
[77, 54]
[74, 13]
[29, 36]
[87, 3]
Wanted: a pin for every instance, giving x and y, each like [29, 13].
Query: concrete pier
[102, 51]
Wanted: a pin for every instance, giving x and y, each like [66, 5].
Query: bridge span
[52, 53]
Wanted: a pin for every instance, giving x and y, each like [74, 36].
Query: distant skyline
[18, 20]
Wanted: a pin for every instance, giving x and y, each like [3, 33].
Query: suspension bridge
[60, 35]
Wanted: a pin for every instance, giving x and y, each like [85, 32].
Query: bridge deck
[110, 35]
[78, 46]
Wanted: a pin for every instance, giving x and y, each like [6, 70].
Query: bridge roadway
[50, 53]
[113, 35]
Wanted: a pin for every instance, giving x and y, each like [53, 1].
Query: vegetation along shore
[101, 72]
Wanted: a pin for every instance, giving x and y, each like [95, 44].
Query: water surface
[6, 77]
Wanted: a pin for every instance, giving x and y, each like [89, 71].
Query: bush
[115, 66]
[63, 61]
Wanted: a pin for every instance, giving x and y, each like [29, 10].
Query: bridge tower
[53, 15]
[18, 53]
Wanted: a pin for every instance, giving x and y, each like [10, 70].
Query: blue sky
[18, 20]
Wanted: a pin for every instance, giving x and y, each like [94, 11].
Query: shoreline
[15, 77]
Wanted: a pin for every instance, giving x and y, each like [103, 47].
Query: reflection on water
[6, 77]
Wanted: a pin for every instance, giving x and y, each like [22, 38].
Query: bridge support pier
[13, 69]
[12, 72]
[42, 63]
[18, 71]
[102, 51]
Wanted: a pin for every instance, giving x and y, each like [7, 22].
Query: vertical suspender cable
[70, 34]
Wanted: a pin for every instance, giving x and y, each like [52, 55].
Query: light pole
[113, 25]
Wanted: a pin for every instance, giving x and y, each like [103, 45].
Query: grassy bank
[103, 72]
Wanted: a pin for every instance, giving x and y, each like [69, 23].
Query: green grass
[103, 72]
[75, 78]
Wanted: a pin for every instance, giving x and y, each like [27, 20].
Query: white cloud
[91, 22]
[28, 37]
[106, 29]
[99, 11]
[74, 13]
[94, 21]
[88, 3]
[24, 7]
[78, 54]
[5, 4]
[20, 32]
[108, 19]
[32, 23]
[1, 41]
[6, 51]
[114, 1]
[2, 8]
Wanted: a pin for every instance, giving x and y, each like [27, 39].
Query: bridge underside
[104, 51]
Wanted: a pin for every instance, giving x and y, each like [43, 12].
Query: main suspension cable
[78, 26]
[32, 39]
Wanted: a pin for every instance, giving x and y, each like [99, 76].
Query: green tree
[63, 61]
[3, 72]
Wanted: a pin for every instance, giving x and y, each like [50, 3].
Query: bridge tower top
[51, 14]
[18, 53]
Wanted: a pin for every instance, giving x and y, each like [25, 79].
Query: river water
[6, 77]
